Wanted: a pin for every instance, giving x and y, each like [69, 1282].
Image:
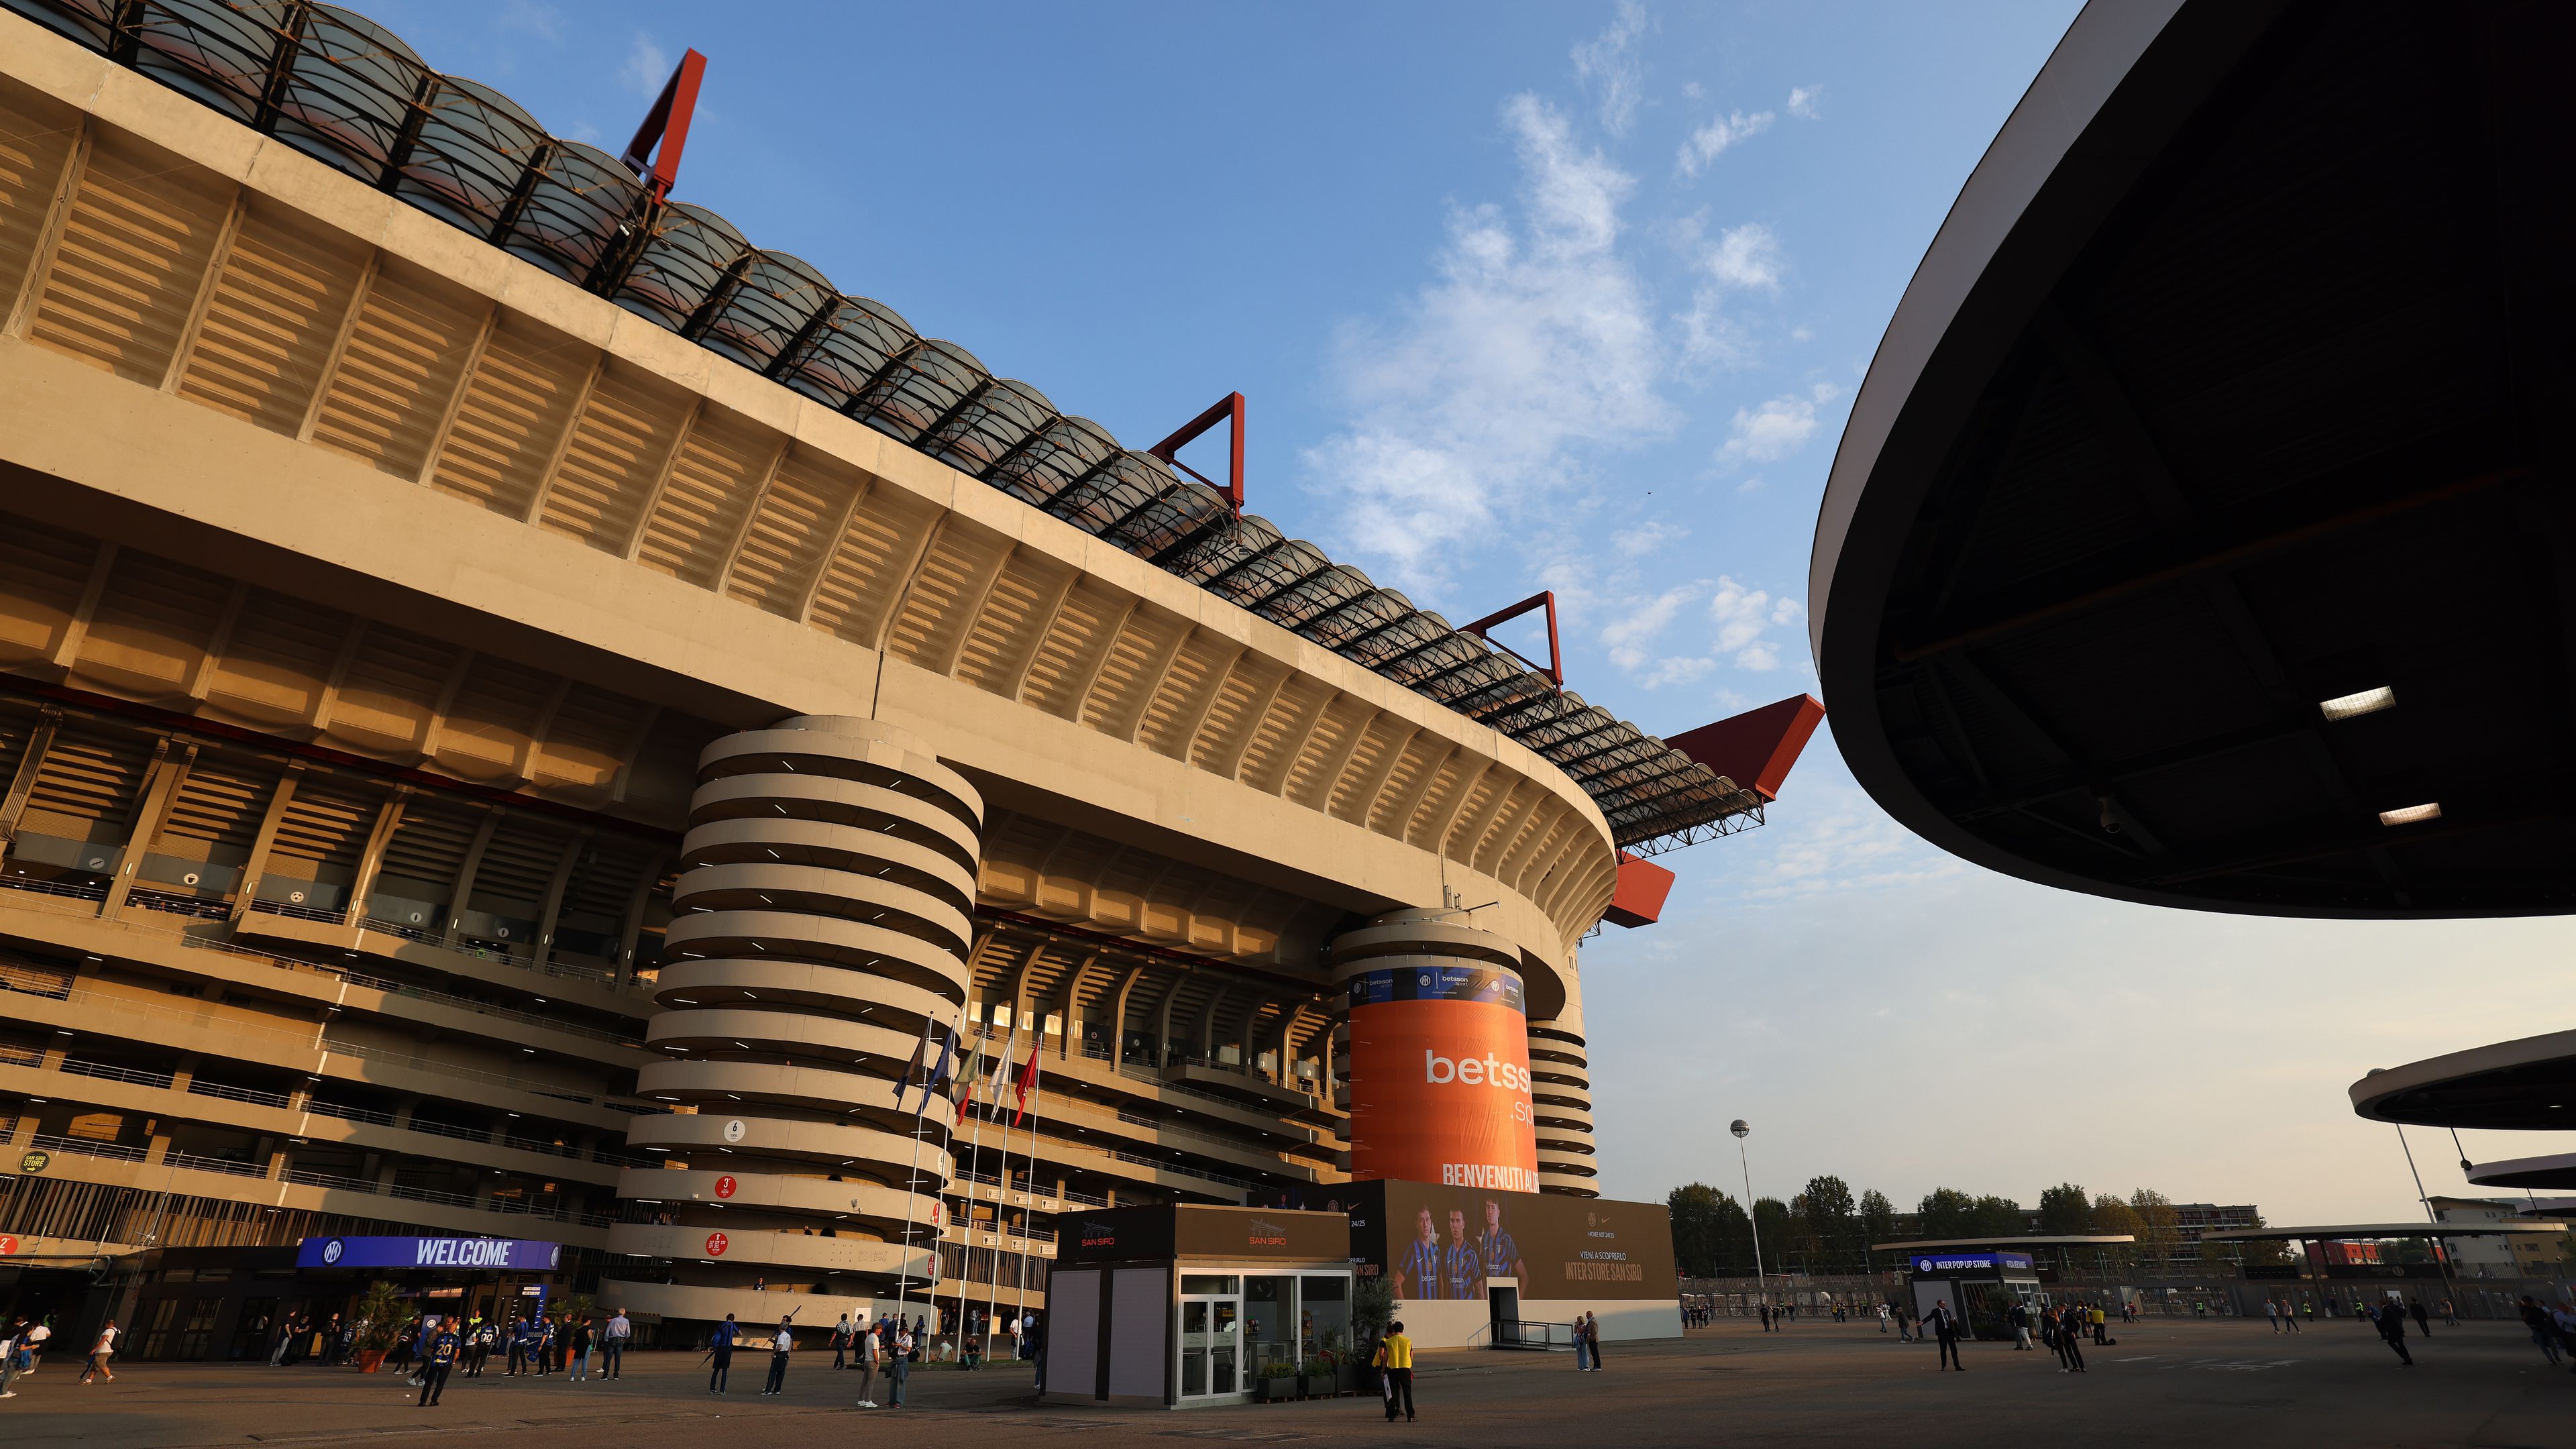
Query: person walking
[2543, 1332]
[841, 1343]
[100, 1352]
[581, 1340]
[2019, 1318]
[612, 1344]
[1904, 1324]
[32, 1347]
[2423, 1319]
[2272, 1314]
[779, 1345]
[2391, 1320]
[1943, 1325]
[863, 1357]
[2292, 1314]
[2070, 1340]
[899, 1364]
[2449, 1319]
[1395, 1358]
[1592, 1331]
[1882, 1318]
[720, 1349]
[435, 1364]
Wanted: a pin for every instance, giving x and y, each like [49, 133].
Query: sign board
[519, 1255]
[1447, 1241]
[1968, 1262]
[31, 1163]
[1192, 1230]
[1440, 1078]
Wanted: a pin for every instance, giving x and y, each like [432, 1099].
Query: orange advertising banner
[1440, 1082]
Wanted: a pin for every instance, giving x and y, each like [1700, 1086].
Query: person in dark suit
[1943, 1325]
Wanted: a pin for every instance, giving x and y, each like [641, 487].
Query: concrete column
[1436, 1018]
[169, 771]
[278, 801]
[825, 920]
[472, 865]
[22, 782]
[371, 862]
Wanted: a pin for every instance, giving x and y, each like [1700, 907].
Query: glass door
[1211, 1339]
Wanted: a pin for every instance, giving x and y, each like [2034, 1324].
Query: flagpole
[903, 1259]
[1002, 1198]
[1037, 1090]
[974, 1159]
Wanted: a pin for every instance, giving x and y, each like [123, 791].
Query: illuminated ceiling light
[2412, 814]
[2368, 701]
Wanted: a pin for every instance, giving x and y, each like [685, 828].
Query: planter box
[1275, 1390]
[371, 1359]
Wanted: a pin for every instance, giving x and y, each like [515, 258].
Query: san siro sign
[522, 1255]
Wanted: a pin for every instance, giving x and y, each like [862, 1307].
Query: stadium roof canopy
[2527, 1174]
[348, 92]
[2523, 1085]
[2367, 1231]
[2202, 534]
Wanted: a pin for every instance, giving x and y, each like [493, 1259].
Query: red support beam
[1756, 748]
[667, 124]
[1229, 409]
[1638, 898]
[1554, 669]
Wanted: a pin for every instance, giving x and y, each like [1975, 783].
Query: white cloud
[647, 67]
[1802, 101]
[1743, 258]
[1647, 537]
[1607, 65]
[1721, 132]
[1628, 634]
[1740, 614]
[1777, 428]
[1533, 345]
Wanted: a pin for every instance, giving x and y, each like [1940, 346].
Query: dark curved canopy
[2523, 1085]
[2202, 534]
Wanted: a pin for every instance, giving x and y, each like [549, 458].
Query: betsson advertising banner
[1440, 1083]
[1446, 1243]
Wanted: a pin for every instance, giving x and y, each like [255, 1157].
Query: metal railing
[116, 1074]
[252, 1095]
[84, 1147]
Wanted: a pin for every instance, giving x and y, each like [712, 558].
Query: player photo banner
[1440, 1078]
[1447, 1243]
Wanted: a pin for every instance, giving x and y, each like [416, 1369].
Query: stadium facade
[523, 713]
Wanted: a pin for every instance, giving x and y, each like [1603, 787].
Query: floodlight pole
[2441, 1253]
[1742, 1131]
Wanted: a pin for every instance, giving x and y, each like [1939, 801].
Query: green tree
[1948, 1213]
[2159, 1233]
[1696, 1243]
[2113, 1217]
[1734, 1239]
[1999, 1217]
[1877, 1220]
[1827, 1207]
[2064, 1211]
[1772, 1216]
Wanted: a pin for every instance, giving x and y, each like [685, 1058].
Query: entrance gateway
[218, 1304]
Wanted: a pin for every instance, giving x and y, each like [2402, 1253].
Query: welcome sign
[519, 1255]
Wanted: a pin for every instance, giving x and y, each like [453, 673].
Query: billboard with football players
[1440, 1242]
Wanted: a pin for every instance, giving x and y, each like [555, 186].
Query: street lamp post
[1742, 1131]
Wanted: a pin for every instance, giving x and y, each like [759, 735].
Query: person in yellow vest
[1395, 1361]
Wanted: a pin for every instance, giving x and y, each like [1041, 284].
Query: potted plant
[1345, 1364]
[1278, 1381]
[1315, 1377]
[380, 1315]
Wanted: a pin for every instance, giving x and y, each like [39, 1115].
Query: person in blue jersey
[1420, 1273]
[1502, 1256]
[437, 1360]
[1464, 1267]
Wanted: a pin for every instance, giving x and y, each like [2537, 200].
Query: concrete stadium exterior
[479, 763]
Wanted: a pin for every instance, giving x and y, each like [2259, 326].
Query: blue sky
[1574, 297]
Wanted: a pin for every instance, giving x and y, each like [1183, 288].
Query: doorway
[1211, 1340]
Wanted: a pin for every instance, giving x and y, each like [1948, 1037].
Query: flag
[966, 1079]
[912, 1069]
[1008, 1046]
[1028, 1074]
[939, 1077]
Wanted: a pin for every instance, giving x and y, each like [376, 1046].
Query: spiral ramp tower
[1561, 1094]
[827, 879]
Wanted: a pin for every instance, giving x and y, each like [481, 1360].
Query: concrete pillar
[825, 904]
[1439, 1056]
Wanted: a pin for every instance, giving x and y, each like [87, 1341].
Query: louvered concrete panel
[37, 136]
[1318, 767]
[1170, 717]
[615, 458]
[134, 247]
[712, 485]
[497, 711]
[1132, 671]
[945, 594]
[44, 572]
[392, 690]
[792, 534]
[1010, 624]
[517, 408]
[400, 366]
[276, 660]
[275, 312]
[1060, 673]
[1235, 712]
[150, 626]
[1276, 742]
[886, 535]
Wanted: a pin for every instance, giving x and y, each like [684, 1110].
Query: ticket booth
[1184, 1306]
[1980, 1288]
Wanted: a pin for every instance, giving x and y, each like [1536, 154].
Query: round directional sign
[716, 1244]
[8, 1245]
[734, 1129]
[35, 1162]
[725, 1185]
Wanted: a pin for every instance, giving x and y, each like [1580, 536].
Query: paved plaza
[2180, 1382]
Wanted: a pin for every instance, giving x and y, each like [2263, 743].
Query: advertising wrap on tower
[1440, 1078]
[1450, 1243]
